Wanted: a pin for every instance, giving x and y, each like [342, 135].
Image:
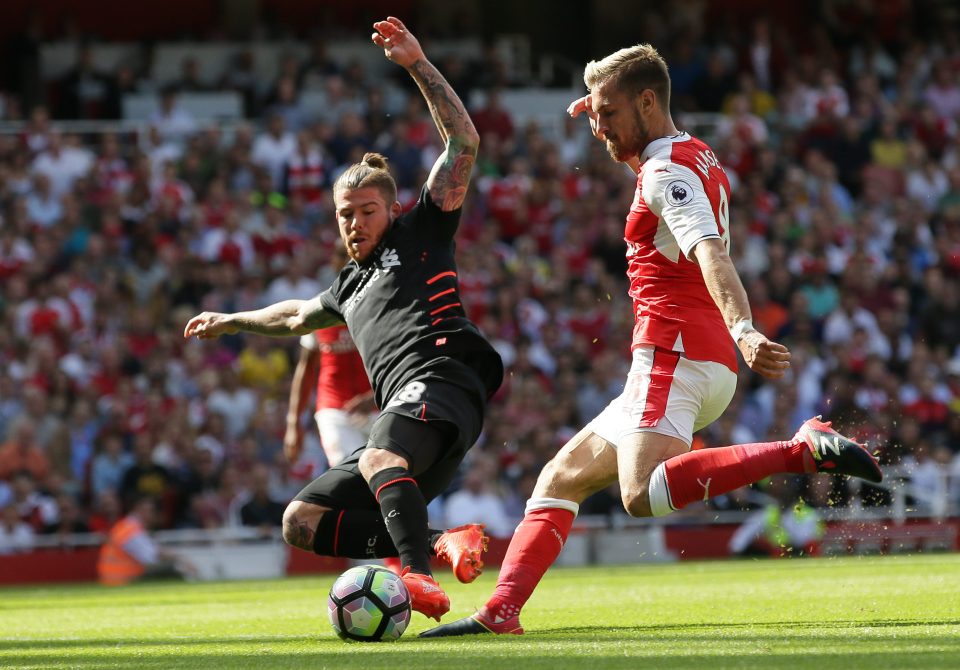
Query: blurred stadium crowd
[845, 222]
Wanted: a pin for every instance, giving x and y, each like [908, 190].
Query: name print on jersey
[705, 159]
[388, 258]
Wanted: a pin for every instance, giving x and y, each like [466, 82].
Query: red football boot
[836, 454]
[462, 548]
[426, 596]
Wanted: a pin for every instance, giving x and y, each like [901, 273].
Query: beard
[624, 148]
[369, 241]
[617, 151]
[355, 253]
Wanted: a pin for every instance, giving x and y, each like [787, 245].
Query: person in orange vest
[130, 554]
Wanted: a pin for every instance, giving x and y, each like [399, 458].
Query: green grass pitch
[892, 612]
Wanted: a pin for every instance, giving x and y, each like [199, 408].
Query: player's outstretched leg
[583, 466]
[705, 473]
[533, 548]
[462, 547]
[836, 454]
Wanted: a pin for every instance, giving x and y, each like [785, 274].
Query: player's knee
[636, 500]
[300, 525]
[373, 461]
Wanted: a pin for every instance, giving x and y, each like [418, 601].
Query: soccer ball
[369, 604]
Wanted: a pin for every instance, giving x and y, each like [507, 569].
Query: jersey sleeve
[328, 300]
[675, 194]
[429, 219]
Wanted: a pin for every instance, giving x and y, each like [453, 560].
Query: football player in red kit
[691, 314]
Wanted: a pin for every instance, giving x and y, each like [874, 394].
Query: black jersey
[402, 308]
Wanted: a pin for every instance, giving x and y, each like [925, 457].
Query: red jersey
[682, 197]
[342, 375]
[307, 176]
[504, 200]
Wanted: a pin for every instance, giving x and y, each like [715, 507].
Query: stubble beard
[622, 151]
[357, 255]
[351, 252]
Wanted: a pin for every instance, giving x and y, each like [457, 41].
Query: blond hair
[371, 171]
[631, 71]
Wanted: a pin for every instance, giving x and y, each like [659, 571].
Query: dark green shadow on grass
[700, 632]
[559, 648]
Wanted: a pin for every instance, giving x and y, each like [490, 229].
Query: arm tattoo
[450, 176]
[449, 179]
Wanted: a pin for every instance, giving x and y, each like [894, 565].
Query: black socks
[405, 516]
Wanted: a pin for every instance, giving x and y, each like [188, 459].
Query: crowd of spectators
[845, 222]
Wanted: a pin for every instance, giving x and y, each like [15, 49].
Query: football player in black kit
[431, 370]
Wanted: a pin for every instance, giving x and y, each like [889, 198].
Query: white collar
[656, 144]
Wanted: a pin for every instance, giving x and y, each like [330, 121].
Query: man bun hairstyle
[371, 171]
[631, 71]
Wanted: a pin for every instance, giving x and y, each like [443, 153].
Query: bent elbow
[467, 142]
[472, 142]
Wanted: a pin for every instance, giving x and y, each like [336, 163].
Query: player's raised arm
[763, 356]
[282, 319]
[451, 174]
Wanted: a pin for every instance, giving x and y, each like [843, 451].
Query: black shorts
[430, 423]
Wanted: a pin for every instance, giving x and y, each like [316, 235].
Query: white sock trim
[659, 493]
[552, 503]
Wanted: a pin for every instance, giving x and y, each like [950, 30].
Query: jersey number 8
[412, 392]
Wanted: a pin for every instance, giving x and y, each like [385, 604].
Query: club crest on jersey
[389, 258]
[678, 193]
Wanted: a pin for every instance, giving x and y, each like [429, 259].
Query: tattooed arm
[289, 317]
[450, 175]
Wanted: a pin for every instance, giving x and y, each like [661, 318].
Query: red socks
[702, 474]
[696, 475]
[534, 547]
